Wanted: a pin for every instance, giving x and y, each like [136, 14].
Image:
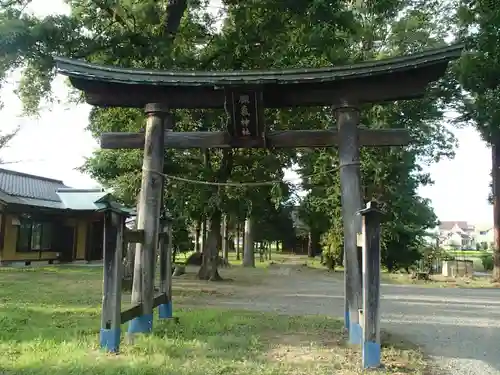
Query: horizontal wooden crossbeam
[137, 235]
[134, 236]
[276, 139]
[136, 310]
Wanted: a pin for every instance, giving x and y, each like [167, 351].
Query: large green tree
[479, 71]
[259, 34]
[391, 175]
[124, 33]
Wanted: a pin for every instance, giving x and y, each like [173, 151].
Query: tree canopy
[254, 35]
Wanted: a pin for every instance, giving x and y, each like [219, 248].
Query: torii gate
[246, 94]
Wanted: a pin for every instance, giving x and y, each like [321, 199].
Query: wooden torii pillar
[148, 216]
[245, 95]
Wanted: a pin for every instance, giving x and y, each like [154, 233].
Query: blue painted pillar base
[371, 354]
[165, 310]
[355, 334]
[109, 339]
[346, 320]
[141, 324]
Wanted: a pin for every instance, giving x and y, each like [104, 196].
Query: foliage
[5, 139]
[479, 73]
[254, 35]
[487, 261]
[430, 255]
[390, 176]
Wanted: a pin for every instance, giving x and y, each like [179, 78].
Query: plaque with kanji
[246, 111]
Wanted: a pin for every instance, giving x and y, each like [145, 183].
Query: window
[34, 236]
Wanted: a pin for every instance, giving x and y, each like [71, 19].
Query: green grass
[473, 253]
[49, 319]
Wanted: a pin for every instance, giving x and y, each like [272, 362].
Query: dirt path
[459, 328]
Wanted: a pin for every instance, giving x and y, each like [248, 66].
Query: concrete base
[110, 339]
[347, 320]
[371, 354]
[141, 324]
[165, 310]
[355, 334]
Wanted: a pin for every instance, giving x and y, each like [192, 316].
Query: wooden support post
[148, 216]
[371, 285]
[114, 225]
[248, 245]
[165, 309]
[347, 123]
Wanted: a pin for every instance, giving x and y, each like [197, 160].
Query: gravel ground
[458, 328]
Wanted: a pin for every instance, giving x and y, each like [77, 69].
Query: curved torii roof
[390, 79]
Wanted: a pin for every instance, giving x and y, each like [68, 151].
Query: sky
[56, 143]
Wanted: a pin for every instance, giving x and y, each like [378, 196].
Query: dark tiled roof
[27, 189]
[94, 72]
[29, 186]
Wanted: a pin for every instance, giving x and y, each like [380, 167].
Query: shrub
[487, 260]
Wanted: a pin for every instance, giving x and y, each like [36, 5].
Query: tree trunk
[197, 244]
[248, 246]
[203, 238]
[310, 245]
[238, 236]
[209, 267]
[496, 207]
[225, 238]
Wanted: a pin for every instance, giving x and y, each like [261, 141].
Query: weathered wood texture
[166, 261]
[275, 139]
[163, 262]
[170, 253]
[136, 310]
[148, 215]
[137, 235]
[371, 285]
[350, 183]
[134, 235]
[111, 302]
[248, 245]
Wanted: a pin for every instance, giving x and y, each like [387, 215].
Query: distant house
[457, 235]
[42, 219]
[485, 236]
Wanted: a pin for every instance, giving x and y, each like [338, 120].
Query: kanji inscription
[246, 114]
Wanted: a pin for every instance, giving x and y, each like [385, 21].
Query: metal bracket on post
[370, 314]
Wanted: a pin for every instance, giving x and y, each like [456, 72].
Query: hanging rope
[236, 184]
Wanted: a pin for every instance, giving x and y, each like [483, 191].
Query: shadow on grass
[50, 325]
[206, 341]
